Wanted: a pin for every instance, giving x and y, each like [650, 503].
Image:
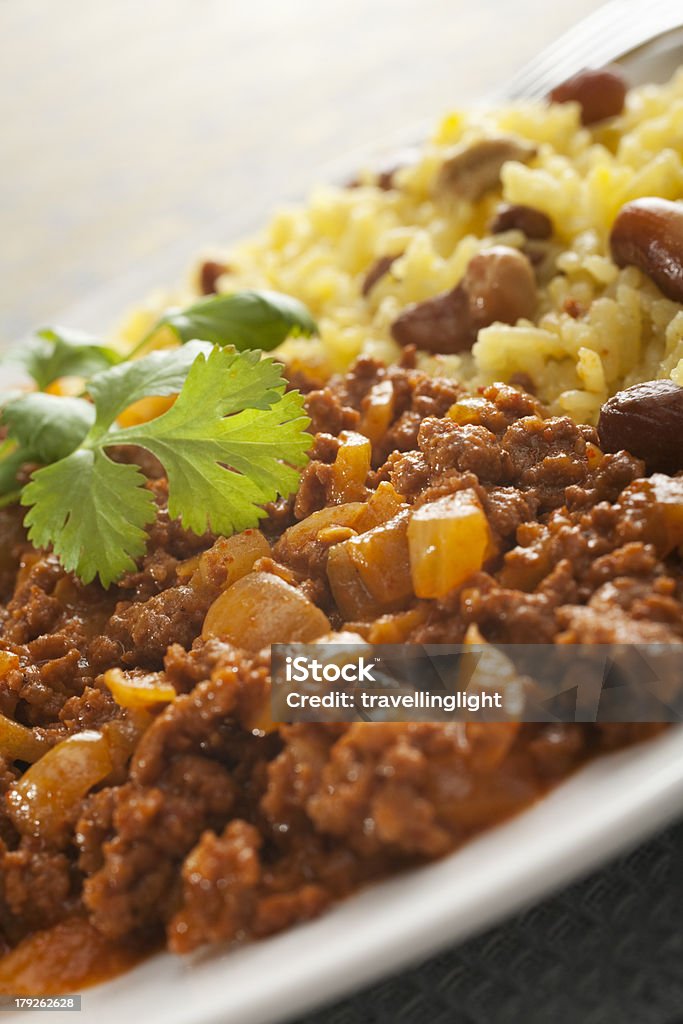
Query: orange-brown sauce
[64, 959]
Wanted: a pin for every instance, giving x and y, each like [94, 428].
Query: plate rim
[644, 784]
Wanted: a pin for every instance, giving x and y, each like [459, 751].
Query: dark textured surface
[606, 950]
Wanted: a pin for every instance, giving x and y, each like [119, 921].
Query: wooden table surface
[132, 129]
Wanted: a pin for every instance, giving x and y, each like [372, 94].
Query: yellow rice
[321, 251]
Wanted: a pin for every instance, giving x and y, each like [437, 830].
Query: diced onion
[43, 799]
[309, 529]
[122, 736]
[19, 743]
[351, 468]
[380, 507]
[378, 411]
[8, 663]
[227, 561]
[138, 691]
[668, 494]
[370, 573]
[262, 609]
[449, 539]
[468, 409]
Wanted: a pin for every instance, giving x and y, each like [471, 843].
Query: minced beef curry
[164, 804]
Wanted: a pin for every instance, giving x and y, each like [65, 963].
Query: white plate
[605, 808]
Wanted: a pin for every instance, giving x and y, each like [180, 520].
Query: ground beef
[626, 611]
[89, 710]
[37, 883]
[408, 473]
[507, 508]
[145, 630]
[191, 770]
[470, 448]
[396, 787]
[328, 414]
[220, 879]
[34, 609]
[152, 828]
[50, 672]
[222, 825]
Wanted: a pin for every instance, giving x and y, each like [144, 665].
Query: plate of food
[440, 403]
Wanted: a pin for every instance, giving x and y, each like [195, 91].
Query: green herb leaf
[92, 511]
[160, 373]
[231, 438]
[248, 319]
[40, 428]
[47, 427]
[61, 352]
[10, 464]
[231, 442]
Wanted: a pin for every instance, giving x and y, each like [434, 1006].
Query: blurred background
[133, 133]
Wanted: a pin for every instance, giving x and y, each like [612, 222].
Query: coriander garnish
[245, 320]
[232, 440]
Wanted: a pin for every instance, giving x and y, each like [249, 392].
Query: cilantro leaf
[40, 428]
[47, 427]
[61, 352]
[10, 464]
[226, 450]
[247, 319]
[231, 442]
[92, 511]
[160, 373]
